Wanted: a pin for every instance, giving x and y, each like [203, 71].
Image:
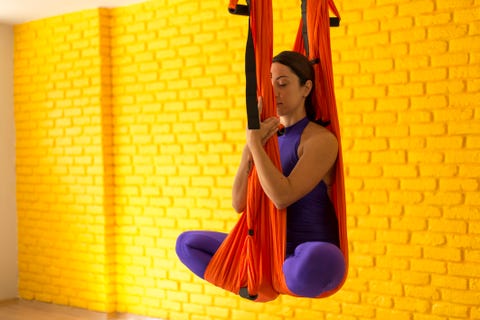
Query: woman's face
[289, 94]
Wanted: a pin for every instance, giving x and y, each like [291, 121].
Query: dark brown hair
[303, 68]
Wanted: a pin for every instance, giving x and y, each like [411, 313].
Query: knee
[314, 269]
[181, 245]
[195, 249]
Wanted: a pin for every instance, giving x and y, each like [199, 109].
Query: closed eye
[282, 83]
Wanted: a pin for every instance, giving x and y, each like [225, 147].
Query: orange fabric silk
[255, 261]
[318, 25]
[244, 260]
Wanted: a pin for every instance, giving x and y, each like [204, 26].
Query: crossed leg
[196, 248]
[315, 267]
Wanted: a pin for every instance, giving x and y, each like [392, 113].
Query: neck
[290, 120]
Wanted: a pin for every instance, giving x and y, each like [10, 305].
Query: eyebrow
[279, 77]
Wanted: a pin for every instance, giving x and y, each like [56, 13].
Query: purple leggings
[315, 267]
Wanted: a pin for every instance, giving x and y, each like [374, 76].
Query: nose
[276, 92]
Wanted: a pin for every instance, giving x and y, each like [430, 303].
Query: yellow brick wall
[64, 167]
[130, 124]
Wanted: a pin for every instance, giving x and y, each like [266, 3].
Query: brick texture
[130, 123]
[64, 160]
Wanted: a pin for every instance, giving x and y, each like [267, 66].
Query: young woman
[314, 263]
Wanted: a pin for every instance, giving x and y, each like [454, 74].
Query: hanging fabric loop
[249, 261]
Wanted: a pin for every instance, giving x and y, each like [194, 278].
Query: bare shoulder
[315, 136]
[318, 151]
[320, 146]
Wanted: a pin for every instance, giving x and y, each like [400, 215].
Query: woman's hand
[269, 127]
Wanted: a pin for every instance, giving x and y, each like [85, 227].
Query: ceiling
[20, 11]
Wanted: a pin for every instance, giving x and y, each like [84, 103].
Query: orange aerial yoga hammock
[249, 261]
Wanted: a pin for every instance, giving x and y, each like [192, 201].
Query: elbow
[280, 205]
[238, 207]
[281, 197]
[279, 200]
[239, 200]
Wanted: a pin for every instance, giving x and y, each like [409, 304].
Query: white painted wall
[8, 208]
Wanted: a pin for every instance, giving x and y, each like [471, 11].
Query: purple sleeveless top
[312, 218]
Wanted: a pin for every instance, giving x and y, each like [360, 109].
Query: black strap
[253, 121]
[240, 9]
[244, 294]
[334, 21]
[251, 83]
[304, 27]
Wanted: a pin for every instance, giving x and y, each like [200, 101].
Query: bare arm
[240, 183]
[317, 155]
[239, 190]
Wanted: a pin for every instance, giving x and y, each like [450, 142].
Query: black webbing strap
[253, 121]
[304, 28]
[240, 9]
[334, 21]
